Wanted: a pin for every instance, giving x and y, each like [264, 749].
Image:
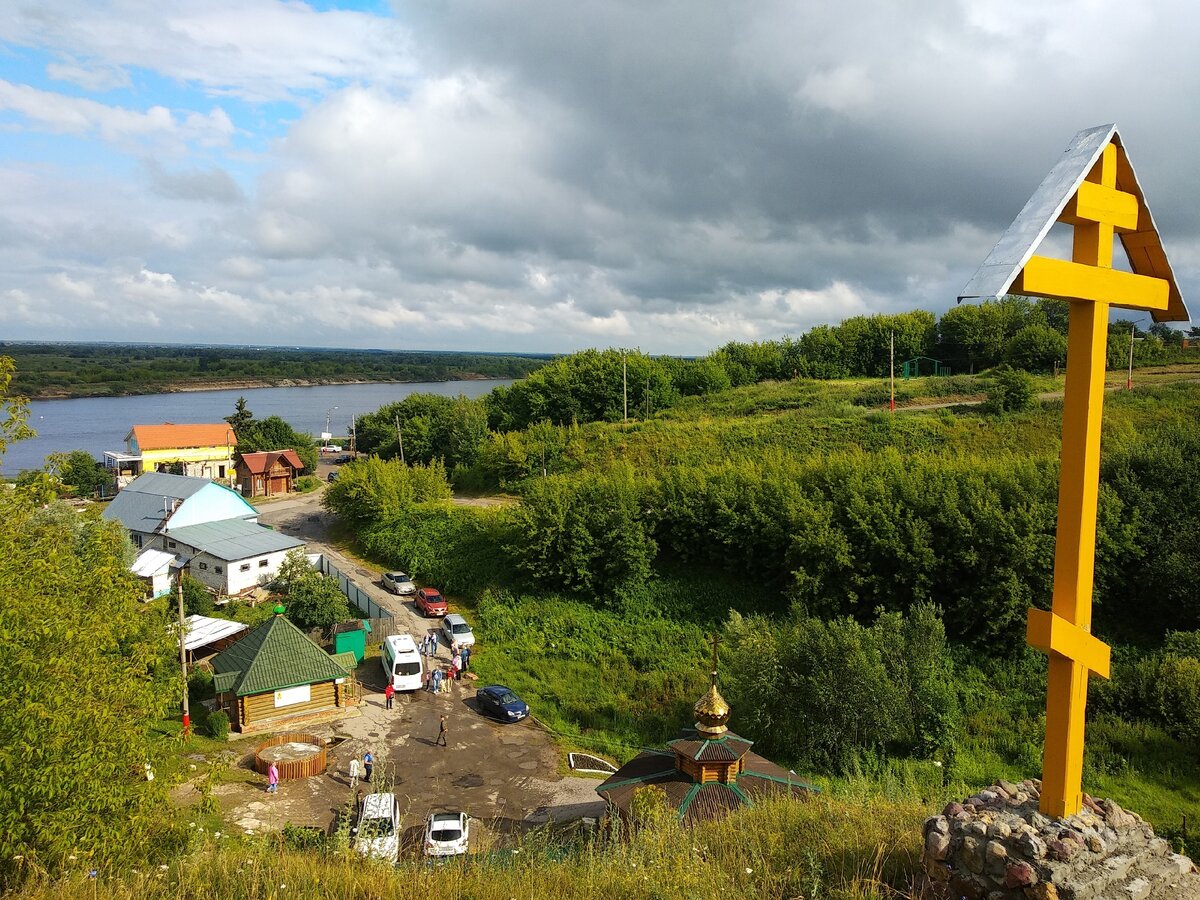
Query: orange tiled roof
[173, 437]
[260, 462]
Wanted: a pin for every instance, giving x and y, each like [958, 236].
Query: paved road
[506, 775]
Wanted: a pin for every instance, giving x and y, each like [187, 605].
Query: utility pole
[625, 385]
[892, 369]
[187, 718]
[1129, 379]
[399, 438]
[354, 435]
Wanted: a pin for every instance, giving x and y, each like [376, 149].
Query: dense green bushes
[87, 671]
[586, 534]
[825, 692]
[374, 490]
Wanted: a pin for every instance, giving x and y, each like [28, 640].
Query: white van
[401, 662]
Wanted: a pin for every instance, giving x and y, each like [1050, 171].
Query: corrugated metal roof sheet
[203, 630]
[233, 539]
[275, 655]
[169, 436]
[151, 562]
[140, 506]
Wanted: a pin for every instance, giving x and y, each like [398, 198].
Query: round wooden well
[303, 765]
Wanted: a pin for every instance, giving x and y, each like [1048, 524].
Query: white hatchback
[446, 834]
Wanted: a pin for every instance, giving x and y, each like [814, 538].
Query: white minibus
[401, 662]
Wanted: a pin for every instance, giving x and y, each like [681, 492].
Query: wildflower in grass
[748, 869]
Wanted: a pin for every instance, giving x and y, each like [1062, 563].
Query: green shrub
[200, 687]
[302, 837]
[1009, 390]
[217, 724]
[306, 484]
[197, 600]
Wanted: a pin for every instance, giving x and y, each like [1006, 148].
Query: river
[96, 424]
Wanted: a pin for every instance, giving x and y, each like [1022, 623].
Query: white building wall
[233, 577]
[249, 573]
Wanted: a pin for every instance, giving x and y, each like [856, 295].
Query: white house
[210, 527]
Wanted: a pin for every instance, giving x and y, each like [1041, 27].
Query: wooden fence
[292, 769]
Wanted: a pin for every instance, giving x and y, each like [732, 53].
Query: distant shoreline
[237, 384]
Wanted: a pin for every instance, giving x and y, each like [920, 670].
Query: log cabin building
[268, 473]
[275, 673]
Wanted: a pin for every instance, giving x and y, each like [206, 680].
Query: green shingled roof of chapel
[273, 656]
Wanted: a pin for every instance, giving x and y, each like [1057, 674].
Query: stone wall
[996, 845]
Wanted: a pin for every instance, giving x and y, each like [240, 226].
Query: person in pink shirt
[272, 778]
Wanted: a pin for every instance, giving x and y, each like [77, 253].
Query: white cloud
[254, 49]
[60, 114]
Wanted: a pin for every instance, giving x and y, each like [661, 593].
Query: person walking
[433, 643]
[466, 659]
[272, 778]
[435, 680]
[368, 766]
[389, 692]
[441, 738]
[456, 666]
[354, 769]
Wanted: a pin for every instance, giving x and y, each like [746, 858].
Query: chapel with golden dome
[705, 773]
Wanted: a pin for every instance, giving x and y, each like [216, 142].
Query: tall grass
[817, 848]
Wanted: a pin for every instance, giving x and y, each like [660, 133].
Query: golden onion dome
[712, 712]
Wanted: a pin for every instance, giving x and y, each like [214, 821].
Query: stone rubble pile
[996, 845]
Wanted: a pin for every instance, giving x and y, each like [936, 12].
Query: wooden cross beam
[1097, 212]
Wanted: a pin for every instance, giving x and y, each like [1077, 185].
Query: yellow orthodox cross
[1093, 189]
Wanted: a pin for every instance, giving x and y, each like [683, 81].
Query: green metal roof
[233, 539]
[273, 656]
[346, 659]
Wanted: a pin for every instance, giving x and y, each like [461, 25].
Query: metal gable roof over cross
[1054, 201]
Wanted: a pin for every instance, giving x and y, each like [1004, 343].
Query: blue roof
[233, 539]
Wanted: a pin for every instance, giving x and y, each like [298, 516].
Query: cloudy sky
[541, 175]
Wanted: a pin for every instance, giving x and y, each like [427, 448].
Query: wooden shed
[276, 673]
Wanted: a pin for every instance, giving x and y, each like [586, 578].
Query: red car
[431, 602]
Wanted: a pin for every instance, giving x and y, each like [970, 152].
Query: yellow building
[200, 450]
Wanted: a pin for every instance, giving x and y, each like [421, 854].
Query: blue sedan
[502, 703]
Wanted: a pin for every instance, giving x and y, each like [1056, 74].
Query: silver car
[455, 630]
[398, 583]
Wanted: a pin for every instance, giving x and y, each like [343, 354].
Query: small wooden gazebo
[276, 673]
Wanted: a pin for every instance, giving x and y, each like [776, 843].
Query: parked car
[398, 583]
[446, 834]
[431, 602]
[331, 448]
[377, 834]
[456, 630]
[332, 477]
[344, 459]
[501, 702]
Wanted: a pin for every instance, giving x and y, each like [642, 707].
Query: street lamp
[325, 435]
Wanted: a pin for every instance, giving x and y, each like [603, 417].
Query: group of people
[429, 644]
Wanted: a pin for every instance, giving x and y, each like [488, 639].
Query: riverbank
[226, 384]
